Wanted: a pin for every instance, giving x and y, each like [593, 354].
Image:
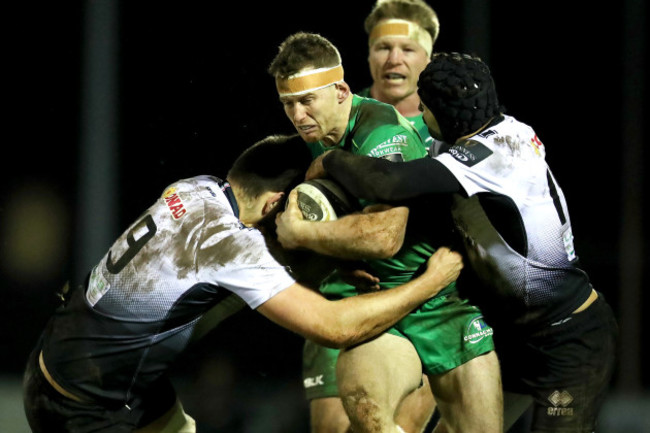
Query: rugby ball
[324, 200]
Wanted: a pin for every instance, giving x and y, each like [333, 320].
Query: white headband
[402, 28]
[309, 80]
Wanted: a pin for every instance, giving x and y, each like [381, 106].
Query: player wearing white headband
[401, 36]
[456, 346]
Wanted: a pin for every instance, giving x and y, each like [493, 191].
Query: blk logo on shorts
[313, 381]
[560, 400]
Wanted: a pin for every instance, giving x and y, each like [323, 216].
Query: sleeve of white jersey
[472, 180]
[240, 261]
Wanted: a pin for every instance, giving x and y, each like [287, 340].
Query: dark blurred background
[110, 101]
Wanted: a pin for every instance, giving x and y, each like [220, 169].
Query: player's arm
[375, 234]
[350, 321]
[384, 181]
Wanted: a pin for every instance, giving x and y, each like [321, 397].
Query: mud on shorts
[446, 332]
[566, 367]
[48, 411]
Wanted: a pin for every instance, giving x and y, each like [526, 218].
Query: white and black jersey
[515, 222]
[188, 255]
[508, 208]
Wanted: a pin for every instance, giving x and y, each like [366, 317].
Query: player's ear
[342, 91]
[271, 202]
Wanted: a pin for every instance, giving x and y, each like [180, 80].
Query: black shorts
[48, 411]
[566, 368]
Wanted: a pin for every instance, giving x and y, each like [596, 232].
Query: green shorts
[446, 332]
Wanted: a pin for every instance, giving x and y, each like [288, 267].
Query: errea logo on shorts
[477, 330]
[311, 382]
[560, 400]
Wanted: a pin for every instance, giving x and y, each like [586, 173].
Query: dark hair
[460, 92]
[275, 163]
[302, 50]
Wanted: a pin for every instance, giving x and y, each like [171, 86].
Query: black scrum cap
[460, 92]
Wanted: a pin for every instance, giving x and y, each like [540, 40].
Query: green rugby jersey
[377, 129]
[416, 121]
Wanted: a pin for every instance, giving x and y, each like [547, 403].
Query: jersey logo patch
[537, 144]
[391, 149]
[477, 330]
[174, 203]
[97, 287]
[470, 152]
[567, 239]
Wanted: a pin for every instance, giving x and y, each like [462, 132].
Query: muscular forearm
[373, 235]
[384, 181]
[352, 320]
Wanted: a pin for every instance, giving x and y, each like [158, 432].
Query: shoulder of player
[370, 113]
[475, 148]
[510, 137]
[195, 184]
[380, 123]
[506, 137]
[194, 198]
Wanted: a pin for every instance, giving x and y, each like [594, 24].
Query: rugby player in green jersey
[396, 56]
[373, 378]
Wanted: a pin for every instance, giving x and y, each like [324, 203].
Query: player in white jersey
[189, 261]
[555, 335]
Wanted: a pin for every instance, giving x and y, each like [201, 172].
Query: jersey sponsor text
[174, 203]
[477, 330]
